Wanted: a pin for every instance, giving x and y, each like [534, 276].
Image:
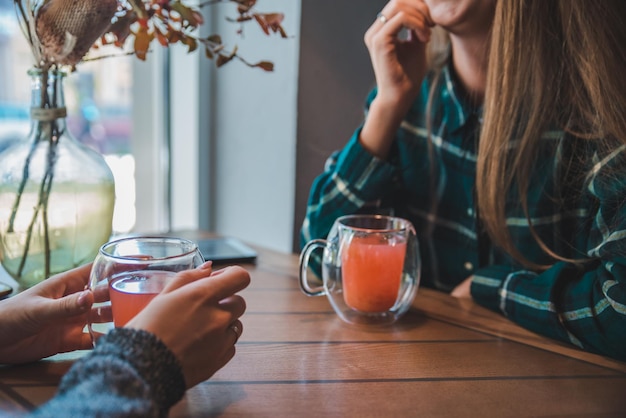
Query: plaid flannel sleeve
[352, 179]
[584, 305]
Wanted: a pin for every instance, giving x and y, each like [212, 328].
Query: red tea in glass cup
[128, 273]
[130, 292]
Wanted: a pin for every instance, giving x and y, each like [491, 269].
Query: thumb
[68, 306]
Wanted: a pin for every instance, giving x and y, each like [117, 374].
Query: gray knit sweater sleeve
[130, 373]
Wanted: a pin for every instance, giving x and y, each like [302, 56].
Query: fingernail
[220, 271]
[206, 265]
[82, 298]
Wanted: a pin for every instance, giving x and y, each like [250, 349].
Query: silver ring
[383, 19]
[234, 328]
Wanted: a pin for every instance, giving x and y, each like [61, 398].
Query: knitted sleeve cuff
[150, 358]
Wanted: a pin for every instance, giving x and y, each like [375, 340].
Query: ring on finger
[235, 328]
[382, 18]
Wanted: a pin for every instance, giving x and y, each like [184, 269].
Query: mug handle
[305, 255]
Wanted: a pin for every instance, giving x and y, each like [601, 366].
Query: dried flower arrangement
[61, 33]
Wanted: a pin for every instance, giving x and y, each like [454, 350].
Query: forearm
[380, 127]
[582, 306]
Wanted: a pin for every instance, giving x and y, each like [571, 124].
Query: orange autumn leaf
[142, 42]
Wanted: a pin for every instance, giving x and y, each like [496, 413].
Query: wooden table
[445, 358]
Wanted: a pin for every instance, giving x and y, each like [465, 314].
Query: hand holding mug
[128, 273]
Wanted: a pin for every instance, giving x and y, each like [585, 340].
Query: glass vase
[56, 195]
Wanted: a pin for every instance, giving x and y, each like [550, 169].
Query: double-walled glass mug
[370, 268]
[128, 273]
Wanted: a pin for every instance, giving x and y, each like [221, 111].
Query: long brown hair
[551, 62]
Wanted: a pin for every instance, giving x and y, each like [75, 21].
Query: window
[98, 98]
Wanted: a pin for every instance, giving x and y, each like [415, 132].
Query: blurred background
[233, 150]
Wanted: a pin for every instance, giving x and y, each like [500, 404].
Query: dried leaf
[161, 38]
[142, 42]
[265, 65]
[191, 16]
[191, 43]
[271, 21]
[244, 5]
[222, 59]
[262, 23]
[215, 39]
[173, 37]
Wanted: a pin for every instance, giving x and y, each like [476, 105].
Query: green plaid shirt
[578, 216]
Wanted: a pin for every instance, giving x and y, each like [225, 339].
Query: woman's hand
[46, 319]
[399, 66]
[462, 290]
[197, 317]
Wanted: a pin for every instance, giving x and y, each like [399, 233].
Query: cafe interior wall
[334, 80]
[246, 144]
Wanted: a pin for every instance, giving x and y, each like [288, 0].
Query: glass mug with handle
[370, 268]
[128, 273]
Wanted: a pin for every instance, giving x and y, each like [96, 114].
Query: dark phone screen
[226, 250]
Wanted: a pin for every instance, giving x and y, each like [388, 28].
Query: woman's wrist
[380, 127]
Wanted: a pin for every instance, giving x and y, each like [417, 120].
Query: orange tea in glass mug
[370, 268]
